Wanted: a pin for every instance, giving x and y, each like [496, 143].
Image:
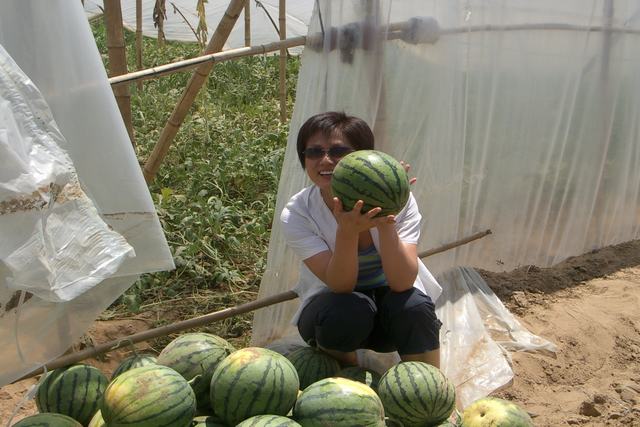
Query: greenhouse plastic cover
[298, 14]
[520, 117]
[77, 221]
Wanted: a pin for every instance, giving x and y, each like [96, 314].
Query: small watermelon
[313, 365]
[97, 420]
[135, 361]
[149, 396]
[339, 402]
[495, 412]
[74, 391]
[374, 177]
[416, 394]
[268, 421]
[195, 356]
[357, 373]
[47, 420]
[253, 381]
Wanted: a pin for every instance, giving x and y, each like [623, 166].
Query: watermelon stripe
[398, 181]
[388, 191]
[357, 188]
[60, 387]
[124, 413]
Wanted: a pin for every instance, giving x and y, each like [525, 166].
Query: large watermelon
[416, 394]
[339, 402]
[196, 356]
[149, 396]
[313, 365]
[357, 373]
[47, 420]
[268, 421]
[253, 381]
[74, 391]
[135, 361]
[374, 177]
[495, 412]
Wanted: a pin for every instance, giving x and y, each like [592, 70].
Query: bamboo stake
[205, 319]
[139, 39]
[186, 64]
[247, 23]
[193, 87]
[283, 61]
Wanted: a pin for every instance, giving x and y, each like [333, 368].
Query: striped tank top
[370, 273]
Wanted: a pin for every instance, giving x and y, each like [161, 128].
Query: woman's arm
[399, 259]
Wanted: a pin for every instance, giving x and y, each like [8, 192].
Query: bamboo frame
[139, 39]
[282, 72]
[118, 59]
[205, 319]
[193, 87]
[247, 24]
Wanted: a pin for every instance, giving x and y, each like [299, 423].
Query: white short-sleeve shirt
[310, 228]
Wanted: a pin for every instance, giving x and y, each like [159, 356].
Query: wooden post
[193, 87]
[247, 23]
[139, 39]
[159, 13]
[118, 59]
[283, 62]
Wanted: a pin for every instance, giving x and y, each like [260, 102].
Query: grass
[216, 190]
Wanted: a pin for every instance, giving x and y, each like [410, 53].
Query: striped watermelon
[195, 356]
[149, 396]
[339, 402]
[135, 361]
[357, 373]
[206, 421]
[313, 365]
[374, 177]
[416, 394]
[74, 391]
[253, 381]
[495, 412]
[47, 420]
[97, 420]
[268, 421]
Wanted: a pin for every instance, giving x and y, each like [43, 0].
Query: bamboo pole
[193, 87]
[139, 39]
[282, 11]
[118, 59]
[247, 23]
[159, 15]
[205, 319]
[186, 64]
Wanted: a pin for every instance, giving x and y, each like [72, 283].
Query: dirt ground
[589, 306]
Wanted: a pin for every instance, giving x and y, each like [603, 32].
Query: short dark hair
[355, 130]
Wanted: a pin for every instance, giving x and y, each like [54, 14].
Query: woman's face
[321, 155]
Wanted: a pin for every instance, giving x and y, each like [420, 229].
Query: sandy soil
[589, 306]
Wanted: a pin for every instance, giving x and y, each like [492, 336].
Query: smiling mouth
[326, 173]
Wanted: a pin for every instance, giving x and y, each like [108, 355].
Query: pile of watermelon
[200, 380]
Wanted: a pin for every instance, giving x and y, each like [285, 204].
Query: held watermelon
[74, 391]
[313, 365]
[149, 396]
[416, 394]
[339, 402]
[47, 420]
[495, 412]
[268, 421]
[135, 361]
[374, 177]
[195, 356]
[253, 381]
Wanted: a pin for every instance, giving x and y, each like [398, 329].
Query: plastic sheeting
[517, 116]
[263, 25]
[63, 63]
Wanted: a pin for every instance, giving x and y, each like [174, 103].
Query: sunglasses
[335, 152]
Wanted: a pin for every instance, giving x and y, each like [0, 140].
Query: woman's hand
[355, 221]
[406, 167]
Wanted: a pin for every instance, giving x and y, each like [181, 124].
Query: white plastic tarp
[263, 23]
[517, 116]
[75, 125]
